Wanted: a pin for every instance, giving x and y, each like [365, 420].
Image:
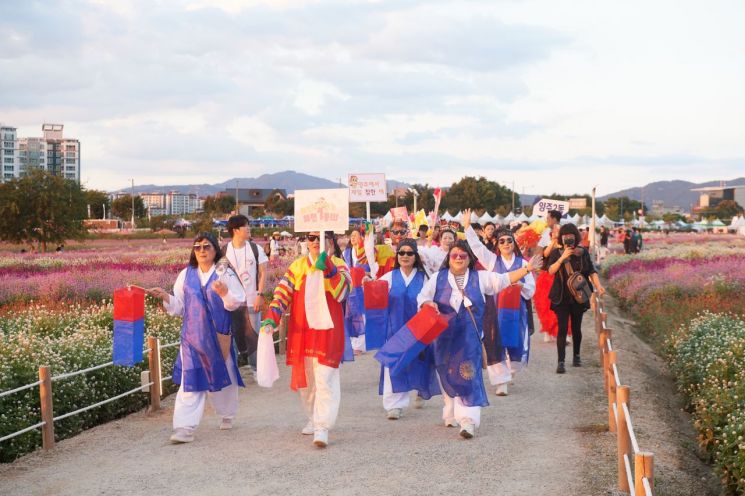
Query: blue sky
[550, 96]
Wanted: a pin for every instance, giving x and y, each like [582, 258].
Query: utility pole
[133, 204]
[237, 212]
[593, 240]
[513, 196]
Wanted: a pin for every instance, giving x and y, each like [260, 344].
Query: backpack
[577, 284]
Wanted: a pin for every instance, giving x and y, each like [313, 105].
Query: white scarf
[316, 306]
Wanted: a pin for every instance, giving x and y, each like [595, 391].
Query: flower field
[56, 310]
[688, 298]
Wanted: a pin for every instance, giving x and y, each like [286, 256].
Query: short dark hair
[423, 227]
[569, 229]
[461, 244]
[555, 214]
[236, 222]
[490, 223]
[330, 235]
[216, 247]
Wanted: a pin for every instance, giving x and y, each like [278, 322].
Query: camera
[568, 242]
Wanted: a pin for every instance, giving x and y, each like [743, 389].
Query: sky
[539, 95]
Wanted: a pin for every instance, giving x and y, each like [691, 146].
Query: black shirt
[580, 261]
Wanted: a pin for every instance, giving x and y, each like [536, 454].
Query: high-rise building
[8, 153]
[52, 152]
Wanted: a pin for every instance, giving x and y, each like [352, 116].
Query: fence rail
[639, 478]
[151, 382]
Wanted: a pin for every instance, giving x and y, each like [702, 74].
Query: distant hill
[672, 193]
[287, 180]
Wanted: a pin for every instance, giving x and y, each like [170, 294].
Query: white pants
[358, 342]
[455, 409]
[501, 373]
[392, 400]
[322, 396]
[189, 407]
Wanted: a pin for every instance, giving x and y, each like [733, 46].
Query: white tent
[510, 217]
[498, 219]
[575, 219]
[387, 218]
[533, 218]
[522, 217]
[446, 216]
[458, 217]
[285, 234]
[485, 218]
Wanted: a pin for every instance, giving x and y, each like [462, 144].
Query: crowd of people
[479, 280]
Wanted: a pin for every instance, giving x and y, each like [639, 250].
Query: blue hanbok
[419, 375]
[457, 351]
[508, 332]
[200, 360]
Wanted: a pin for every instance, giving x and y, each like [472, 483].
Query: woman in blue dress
[458, 290]
[405, 282]
[204, 294]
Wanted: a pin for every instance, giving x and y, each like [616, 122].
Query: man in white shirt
[249, 261]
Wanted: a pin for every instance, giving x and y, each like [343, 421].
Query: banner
[367, 188]
[543, 205]
[321, 210]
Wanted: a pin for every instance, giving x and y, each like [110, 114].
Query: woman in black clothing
[562, 302]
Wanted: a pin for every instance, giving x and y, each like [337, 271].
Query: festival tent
[534, 217]
[446, 216]
[522, 217]
[510, 217]
[285, 234]
[498, 219]
[717, 223]
[484, 218]
[387, 219]
[458, 217]
[737, 222]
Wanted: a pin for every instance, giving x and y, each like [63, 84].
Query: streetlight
[593, 241]
[133, 204]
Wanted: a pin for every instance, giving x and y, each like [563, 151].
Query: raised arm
[485, 256]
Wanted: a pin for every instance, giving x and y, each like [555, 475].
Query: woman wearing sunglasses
[405, 282]
[313, 290]
[459, 290]
[204, 294]
[506, 333]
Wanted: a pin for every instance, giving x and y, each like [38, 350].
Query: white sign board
[367, 188]
[545, 204]
[321, 210]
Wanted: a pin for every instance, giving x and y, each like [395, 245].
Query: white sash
[316, 306]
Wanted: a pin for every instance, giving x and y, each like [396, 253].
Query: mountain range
[671, 193]
[287, 180]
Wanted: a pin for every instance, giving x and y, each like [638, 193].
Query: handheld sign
[367, 188]
[543, 205]
[321, 210]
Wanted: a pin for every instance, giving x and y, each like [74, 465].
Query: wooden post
[602, 336]
[611, 391]
[624, 441]
[604, 367]
[283, 335]
[153, 356]
[643, 467]
[47, 412]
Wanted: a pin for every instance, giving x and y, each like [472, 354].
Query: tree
[479, 194]
[616, 208]
[222, 204]
[278, 205]
[122, 207]
[726, 209]
[97, 201]
[41, 207]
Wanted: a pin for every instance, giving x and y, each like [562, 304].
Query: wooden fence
[637, 478]
[151, 382]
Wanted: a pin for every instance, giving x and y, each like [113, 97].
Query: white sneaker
[418, 402]
[569, 339]
[321, 438]
[308, 429]
[467, 430]
[226, 424]
[502, 389]
[394, 414]
[451, 422]
[182, 435]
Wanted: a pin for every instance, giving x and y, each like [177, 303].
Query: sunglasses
[202, 247]
[399, 232]
[458, 256]
[505, 241]
[406, 253]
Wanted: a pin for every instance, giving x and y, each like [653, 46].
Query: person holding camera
[569, 296]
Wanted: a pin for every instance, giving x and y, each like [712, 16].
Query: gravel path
[546, 438]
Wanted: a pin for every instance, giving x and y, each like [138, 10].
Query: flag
[508, 316]
[411, 339]
[437, 193]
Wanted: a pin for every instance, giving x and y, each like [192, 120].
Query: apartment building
[51, 152]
